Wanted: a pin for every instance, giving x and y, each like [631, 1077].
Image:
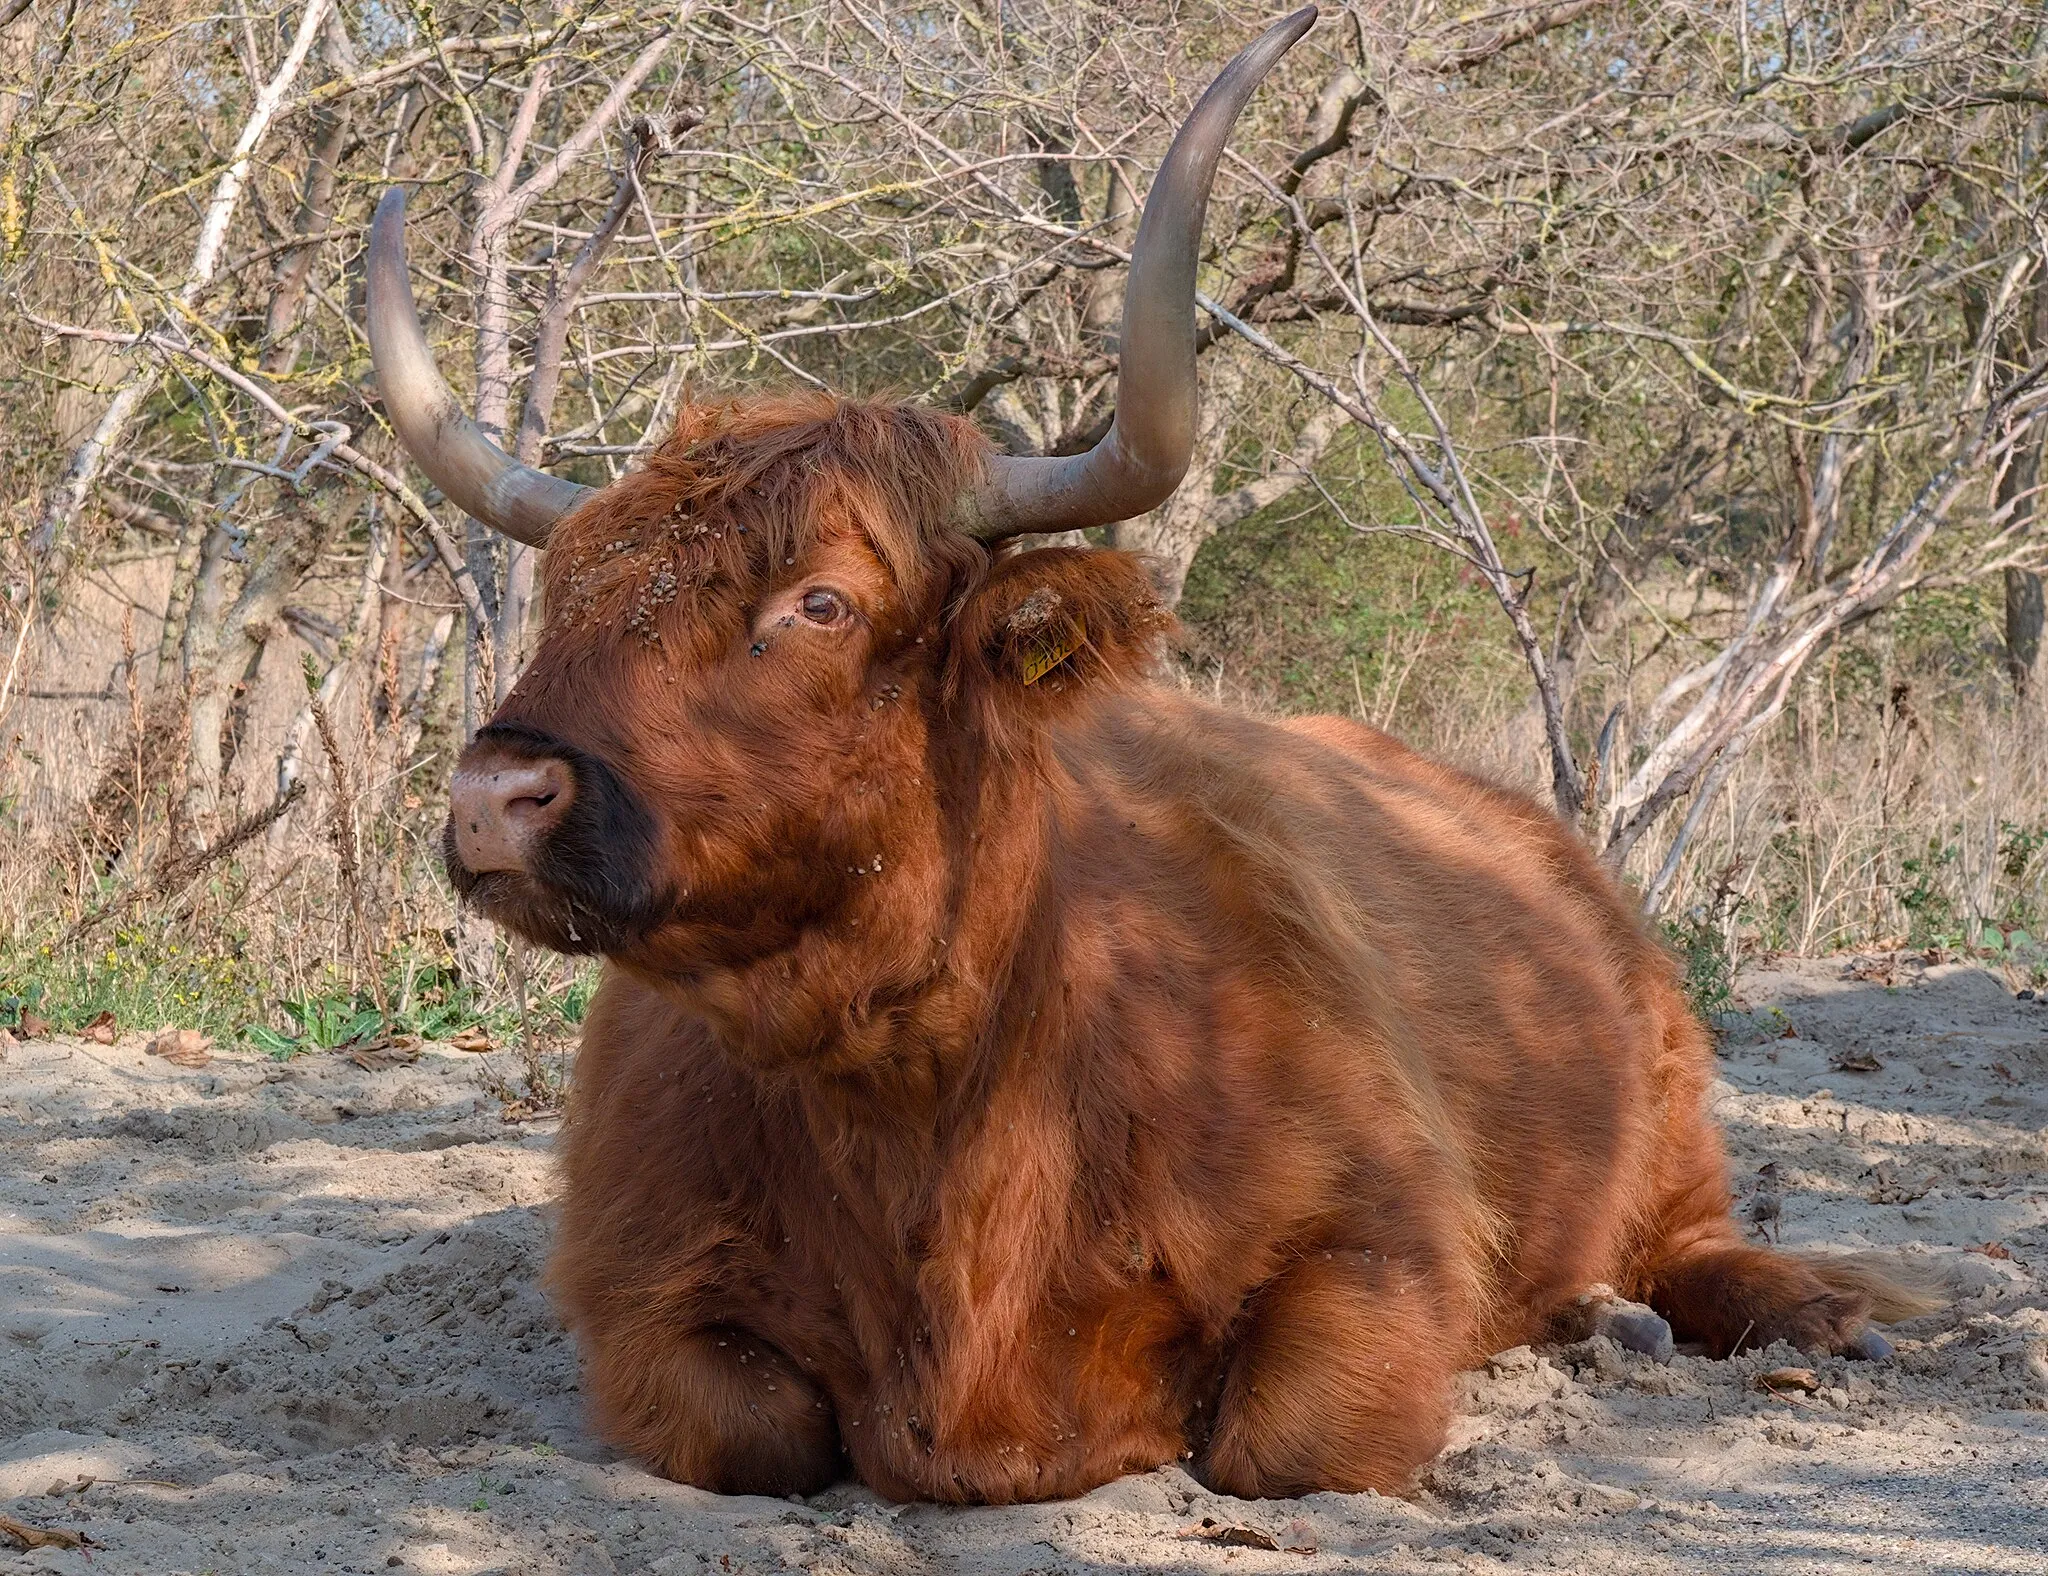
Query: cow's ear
[1049, 626]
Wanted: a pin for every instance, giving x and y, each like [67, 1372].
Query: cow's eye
[822, 607]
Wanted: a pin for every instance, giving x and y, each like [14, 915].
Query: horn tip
[1298, 23]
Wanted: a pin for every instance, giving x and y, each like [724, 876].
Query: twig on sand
[45, 1537]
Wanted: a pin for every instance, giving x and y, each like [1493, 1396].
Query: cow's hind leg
[1728, 1297]
[1718, 1291]
[1341, 1381]
[1725, 1294]
[716, 1408]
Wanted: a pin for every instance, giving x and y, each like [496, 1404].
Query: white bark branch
[60, 513]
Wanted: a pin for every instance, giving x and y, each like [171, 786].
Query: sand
[269, 1317]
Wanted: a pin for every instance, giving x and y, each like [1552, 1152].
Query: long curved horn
[483, 479]
[1145, 453]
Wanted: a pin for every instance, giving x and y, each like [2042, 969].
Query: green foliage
[269, 1041]
[573, 1000]
[148, 981]
[1944, 627]
[2018, 847]
[329, 1022]
[12, 1007]
[1928, 898]
[427, 997]
[144, 975]
[1308, 615]
[1700, 938]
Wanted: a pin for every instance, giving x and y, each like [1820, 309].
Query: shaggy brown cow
[1009, 1071]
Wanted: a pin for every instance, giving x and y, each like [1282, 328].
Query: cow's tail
[1896, 1288]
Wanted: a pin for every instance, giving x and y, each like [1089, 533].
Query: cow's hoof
[1867, 1345]
[1600, 1310]
[1636, 1328]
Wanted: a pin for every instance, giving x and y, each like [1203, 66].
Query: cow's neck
[942, 1117]
[948, 1117]
[897, 1001]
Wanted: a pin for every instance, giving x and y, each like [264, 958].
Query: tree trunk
[60, 510]
[1169, 537]
[295, 268]
[370, 599]
[2023, 618]
[221, 646]
[503, 569]
[2016, 489]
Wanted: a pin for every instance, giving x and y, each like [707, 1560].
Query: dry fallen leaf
[44, 1537]
[7, 1043]
[34, 1028]
[181, 1047]
[1993, 1250]
[397, 1050]
[476, 1038]
[101, 1031]
[1239, 1538]
[1856, 1062]
[1790, 1379]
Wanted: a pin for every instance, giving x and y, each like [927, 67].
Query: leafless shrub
[1701, 337]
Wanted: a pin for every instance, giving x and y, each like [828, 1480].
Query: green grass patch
[148, 981]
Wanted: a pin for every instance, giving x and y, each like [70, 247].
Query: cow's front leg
[715, 1407]
[1342, 1380]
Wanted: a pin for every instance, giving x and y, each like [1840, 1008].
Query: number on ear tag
[1044, 657]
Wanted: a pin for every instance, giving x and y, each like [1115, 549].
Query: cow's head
[764, 649]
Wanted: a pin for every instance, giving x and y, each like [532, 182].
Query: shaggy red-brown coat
[999, 1084]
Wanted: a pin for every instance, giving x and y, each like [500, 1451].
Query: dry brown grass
[1892, 806]
[1902, 806]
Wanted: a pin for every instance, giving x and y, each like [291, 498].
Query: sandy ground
[287, 1318]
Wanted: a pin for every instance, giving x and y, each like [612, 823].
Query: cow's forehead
[741, 501]
[631, 550]
[636, 575]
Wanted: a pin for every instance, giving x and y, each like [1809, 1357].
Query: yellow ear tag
[1043, 659]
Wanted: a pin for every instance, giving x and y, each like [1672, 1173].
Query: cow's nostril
[501, 813]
